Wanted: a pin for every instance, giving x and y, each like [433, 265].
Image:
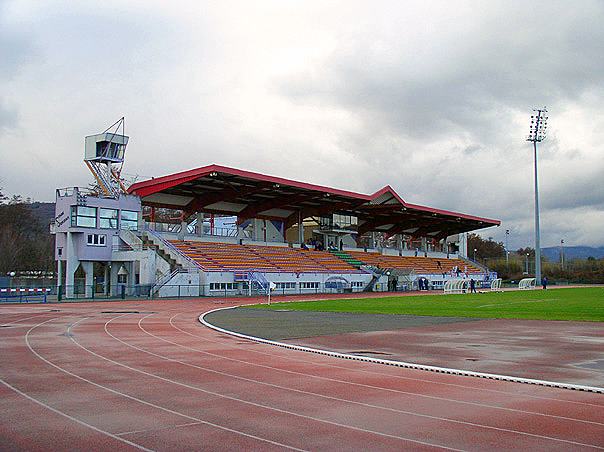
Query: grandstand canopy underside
[222, 190]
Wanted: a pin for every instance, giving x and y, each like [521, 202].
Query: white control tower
[104, 157]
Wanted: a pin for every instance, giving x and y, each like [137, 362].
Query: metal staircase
[257, 277]
[376, 272]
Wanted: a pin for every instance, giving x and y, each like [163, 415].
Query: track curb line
[387, 362]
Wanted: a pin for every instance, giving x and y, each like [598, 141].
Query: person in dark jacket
[472, 286]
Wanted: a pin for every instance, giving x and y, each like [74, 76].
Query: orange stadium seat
[218, 256]
[420, 264]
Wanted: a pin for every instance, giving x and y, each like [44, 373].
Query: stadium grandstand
[216, 230]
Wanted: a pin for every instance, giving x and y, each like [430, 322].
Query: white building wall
[182, 285]
[229, 277]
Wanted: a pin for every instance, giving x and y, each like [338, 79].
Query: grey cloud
[445, 131]
[427, 99]
[8, 117]
[580, 190]
[15, 50]
[500, 69]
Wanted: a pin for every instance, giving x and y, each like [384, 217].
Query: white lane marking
[71, 418]
[258, 405]
[167, 427]
[144, 402]
[371, 372]
[446, 370]
[397, 391]
[409, 413]
[61, 413]
[17, 322]
[513, 302]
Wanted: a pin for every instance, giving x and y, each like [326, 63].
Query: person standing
[544, 282]
[472, 286]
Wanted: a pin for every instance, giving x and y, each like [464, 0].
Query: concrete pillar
[106, 277]
[424, 244]
[300, 227]
[183, 230]
[130, 279]
[200, 224]
[71, 265]
[88, 268]
[59, 275]
[463, 244]
[115, 267]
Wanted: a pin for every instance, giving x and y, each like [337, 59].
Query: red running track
[99, 376]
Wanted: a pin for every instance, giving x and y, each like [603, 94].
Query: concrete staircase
[169, 252]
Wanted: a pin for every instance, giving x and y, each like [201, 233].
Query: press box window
[309, 285]
[108, 218]
[96, 239]
[129, 220]
[84, 217]
[286, 285]
[223, 286]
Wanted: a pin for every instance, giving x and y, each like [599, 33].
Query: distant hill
[44, 212]
[572, 252]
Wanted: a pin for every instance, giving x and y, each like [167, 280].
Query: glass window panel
[86, 222]
[129, 215]
[86, 211]
[108, 213]
[108, 223]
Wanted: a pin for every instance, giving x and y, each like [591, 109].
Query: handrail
[140, 247]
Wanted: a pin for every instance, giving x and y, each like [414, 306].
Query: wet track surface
[130, 375]
[564, 352]
[284, 324]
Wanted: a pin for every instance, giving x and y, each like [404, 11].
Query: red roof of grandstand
[230, 191]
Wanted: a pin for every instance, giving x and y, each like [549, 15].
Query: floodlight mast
[537, 134]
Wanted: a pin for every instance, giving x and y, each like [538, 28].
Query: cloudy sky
[430, 97]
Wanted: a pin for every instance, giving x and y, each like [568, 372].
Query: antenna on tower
[104, 157]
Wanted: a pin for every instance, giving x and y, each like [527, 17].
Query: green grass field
[560, 304]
